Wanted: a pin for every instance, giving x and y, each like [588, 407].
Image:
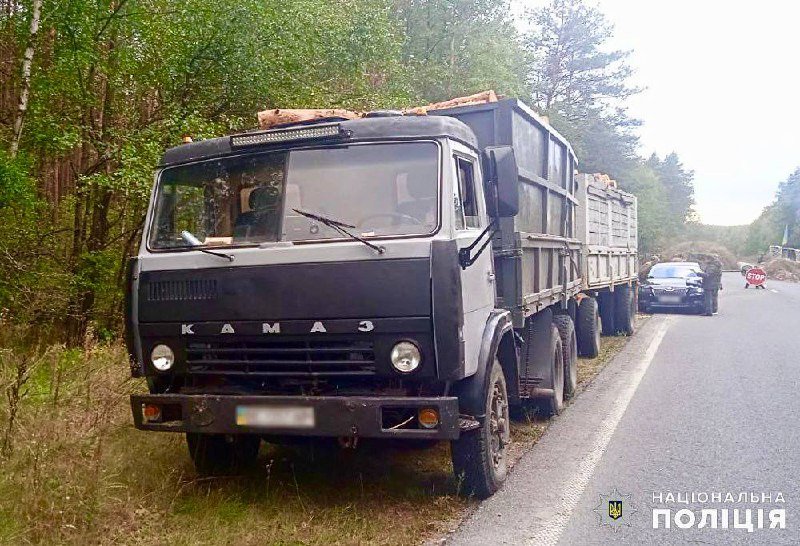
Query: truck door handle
[490, 277]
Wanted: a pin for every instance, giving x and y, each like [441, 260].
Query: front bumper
[687, 301]
[334, 416]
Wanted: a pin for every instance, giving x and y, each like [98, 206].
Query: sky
[722, 83]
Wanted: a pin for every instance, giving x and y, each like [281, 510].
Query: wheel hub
[498, 425]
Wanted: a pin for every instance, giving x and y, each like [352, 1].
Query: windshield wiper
[197, 245]
[340, 227]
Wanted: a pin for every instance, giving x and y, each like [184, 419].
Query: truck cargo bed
[608, 226]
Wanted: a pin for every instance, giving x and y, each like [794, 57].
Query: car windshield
[672, 272]
[379, 189]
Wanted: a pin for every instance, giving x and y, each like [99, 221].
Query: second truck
[393, 276]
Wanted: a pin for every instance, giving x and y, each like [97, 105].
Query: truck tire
[607, 313]
[480, 456]
[588, 328]
[569, 344]
[554, 403]
[624, 310]
[539, 371]
[220, 454]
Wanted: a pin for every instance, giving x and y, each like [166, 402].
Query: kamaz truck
[393, 276]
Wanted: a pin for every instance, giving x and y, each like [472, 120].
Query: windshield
[381, 189]
[672, 272]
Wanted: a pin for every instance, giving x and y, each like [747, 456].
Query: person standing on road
[712, 284]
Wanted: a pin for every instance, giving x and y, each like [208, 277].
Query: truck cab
[327, 279]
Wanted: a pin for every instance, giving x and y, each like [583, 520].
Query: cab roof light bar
[289, 135]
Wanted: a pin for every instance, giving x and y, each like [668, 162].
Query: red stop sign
[756, 276]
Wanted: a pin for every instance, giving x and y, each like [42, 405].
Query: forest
[93, 91]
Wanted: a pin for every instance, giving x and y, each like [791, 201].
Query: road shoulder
[537, 500]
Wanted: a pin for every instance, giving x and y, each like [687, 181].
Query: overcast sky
[723, 91]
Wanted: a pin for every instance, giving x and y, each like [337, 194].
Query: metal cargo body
[537, 253]
[608, 228]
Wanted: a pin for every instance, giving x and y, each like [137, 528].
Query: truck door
[477, 280]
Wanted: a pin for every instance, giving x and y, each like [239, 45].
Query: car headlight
[162, 358]
[405, 357]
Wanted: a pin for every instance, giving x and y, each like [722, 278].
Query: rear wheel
[569, 345]
[480, 457]
[624, 310]
[220, 454]
[607, 313]
[554, 403]
[588, 328]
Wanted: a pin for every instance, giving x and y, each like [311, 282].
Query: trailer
[608, 227]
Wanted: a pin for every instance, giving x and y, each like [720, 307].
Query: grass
[76, 472]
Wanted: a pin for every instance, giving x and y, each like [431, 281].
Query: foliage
[780, 218]
[460, 47]
[114, 82]
[570, 71]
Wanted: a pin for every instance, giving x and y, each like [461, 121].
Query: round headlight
[162, 358]
[405, 357]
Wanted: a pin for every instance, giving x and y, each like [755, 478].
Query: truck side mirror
[502, 176]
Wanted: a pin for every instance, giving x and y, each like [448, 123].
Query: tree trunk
[27, 61]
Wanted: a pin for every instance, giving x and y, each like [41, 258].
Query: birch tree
[27, 61]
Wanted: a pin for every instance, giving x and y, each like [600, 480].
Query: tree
[780, 216]
[459, 47]
[581, 86]
[678, 183]
[569, 71]
[26, 77]
[642, 181]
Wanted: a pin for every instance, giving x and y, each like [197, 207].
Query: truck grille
[301, 358]
[183, 290]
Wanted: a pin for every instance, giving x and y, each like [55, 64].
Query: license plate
[275, 416]
[669, 299]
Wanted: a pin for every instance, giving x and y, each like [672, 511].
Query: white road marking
[773, 290]
[550, 532]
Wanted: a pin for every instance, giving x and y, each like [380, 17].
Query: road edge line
[550, 532]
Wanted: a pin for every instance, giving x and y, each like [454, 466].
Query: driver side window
[466, 199]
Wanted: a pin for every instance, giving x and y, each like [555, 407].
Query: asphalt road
[693, 404]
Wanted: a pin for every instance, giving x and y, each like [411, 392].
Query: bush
[679, 251]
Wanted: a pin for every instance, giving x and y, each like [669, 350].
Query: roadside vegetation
[75, 471]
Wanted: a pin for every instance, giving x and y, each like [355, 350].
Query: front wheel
[220, 454]
[480, 457]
